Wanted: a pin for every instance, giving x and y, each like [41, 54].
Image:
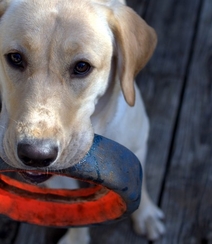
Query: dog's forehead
[38, 22]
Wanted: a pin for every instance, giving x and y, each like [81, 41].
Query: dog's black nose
[37, 153]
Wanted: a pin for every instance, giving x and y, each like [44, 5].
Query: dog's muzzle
[112, 169]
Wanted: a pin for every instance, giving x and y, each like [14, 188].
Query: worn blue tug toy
[114, 172]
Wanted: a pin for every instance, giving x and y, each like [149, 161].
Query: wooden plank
[119, 232]
[161, 82]
[28, 234]
[140, 6]
[31, 234]
[187, 200]
[8, 230]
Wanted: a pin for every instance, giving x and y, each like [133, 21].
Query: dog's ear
[135, 42]
[3, 6]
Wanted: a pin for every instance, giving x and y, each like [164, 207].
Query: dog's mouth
[34, 177]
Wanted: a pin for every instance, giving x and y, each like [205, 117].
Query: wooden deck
[177, 89]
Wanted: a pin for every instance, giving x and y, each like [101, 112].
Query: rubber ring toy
[113, 170]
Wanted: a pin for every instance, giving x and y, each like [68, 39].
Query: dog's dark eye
[81, 68]
[15, 59]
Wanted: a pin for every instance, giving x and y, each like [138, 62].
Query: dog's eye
[81, 68]
[15, 59]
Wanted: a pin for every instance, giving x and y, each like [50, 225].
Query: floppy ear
[135, 41]
[3, 6]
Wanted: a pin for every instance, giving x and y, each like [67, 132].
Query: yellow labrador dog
[67, 70]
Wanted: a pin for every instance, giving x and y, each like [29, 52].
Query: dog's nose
[37, 153]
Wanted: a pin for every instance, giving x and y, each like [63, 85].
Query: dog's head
[55, 63]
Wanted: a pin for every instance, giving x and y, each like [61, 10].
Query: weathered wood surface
[163, 79]
[187, 197]
[176, 87]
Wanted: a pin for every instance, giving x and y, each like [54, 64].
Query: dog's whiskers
[14, 120]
